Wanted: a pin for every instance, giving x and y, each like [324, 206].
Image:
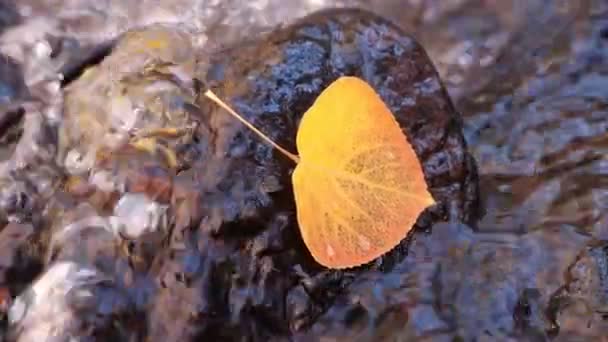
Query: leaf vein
[365, 151]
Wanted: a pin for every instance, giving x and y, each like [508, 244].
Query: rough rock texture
[529, 78]
[293, 65]
[230, 261]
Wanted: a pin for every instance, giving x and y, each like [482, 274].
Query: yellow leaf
[359, 186]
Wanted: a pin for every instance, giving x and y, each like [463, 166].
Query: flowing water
[530, 80]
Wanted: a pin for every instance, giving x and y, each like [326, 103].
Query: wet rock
[235, 259]
[108, 276]
[68, 302]
[10, 130]
[29, 176]
[135, 215]
[293, 65]
[96, 212]
[141, 87]
[251, 255]
[80, 234]
[529, 78]
[131, 170]
[540, 144]
[234, 266]
[542, 170]
[28, 112]
[12, 86]
[185, 201]
[13, 238]
[583, 300]
[8, 15]
[446, 280]
[19, 262]
[156, 182]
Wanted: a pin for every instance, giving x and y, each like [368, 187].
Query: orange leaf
[359, 186]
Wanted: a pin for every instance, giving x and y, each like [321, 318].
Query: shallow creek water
[530, 80]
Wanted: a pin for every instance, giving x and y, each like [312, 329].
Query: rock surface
[527, 77]
[234, 249]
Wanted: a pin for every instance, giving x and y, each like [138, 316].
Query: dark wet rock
[11, 130]
[17, 259]
[13, 237]
[8, 15]
[541, 147]
[446, 280]
[12, 84]
[232, 264]
[251, 255]
[13, 92]
[293, 65]
[540, 150]
[583, 299]
[530, 80]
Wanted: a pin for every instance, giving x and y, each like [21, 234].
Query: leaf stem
[222, 104]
